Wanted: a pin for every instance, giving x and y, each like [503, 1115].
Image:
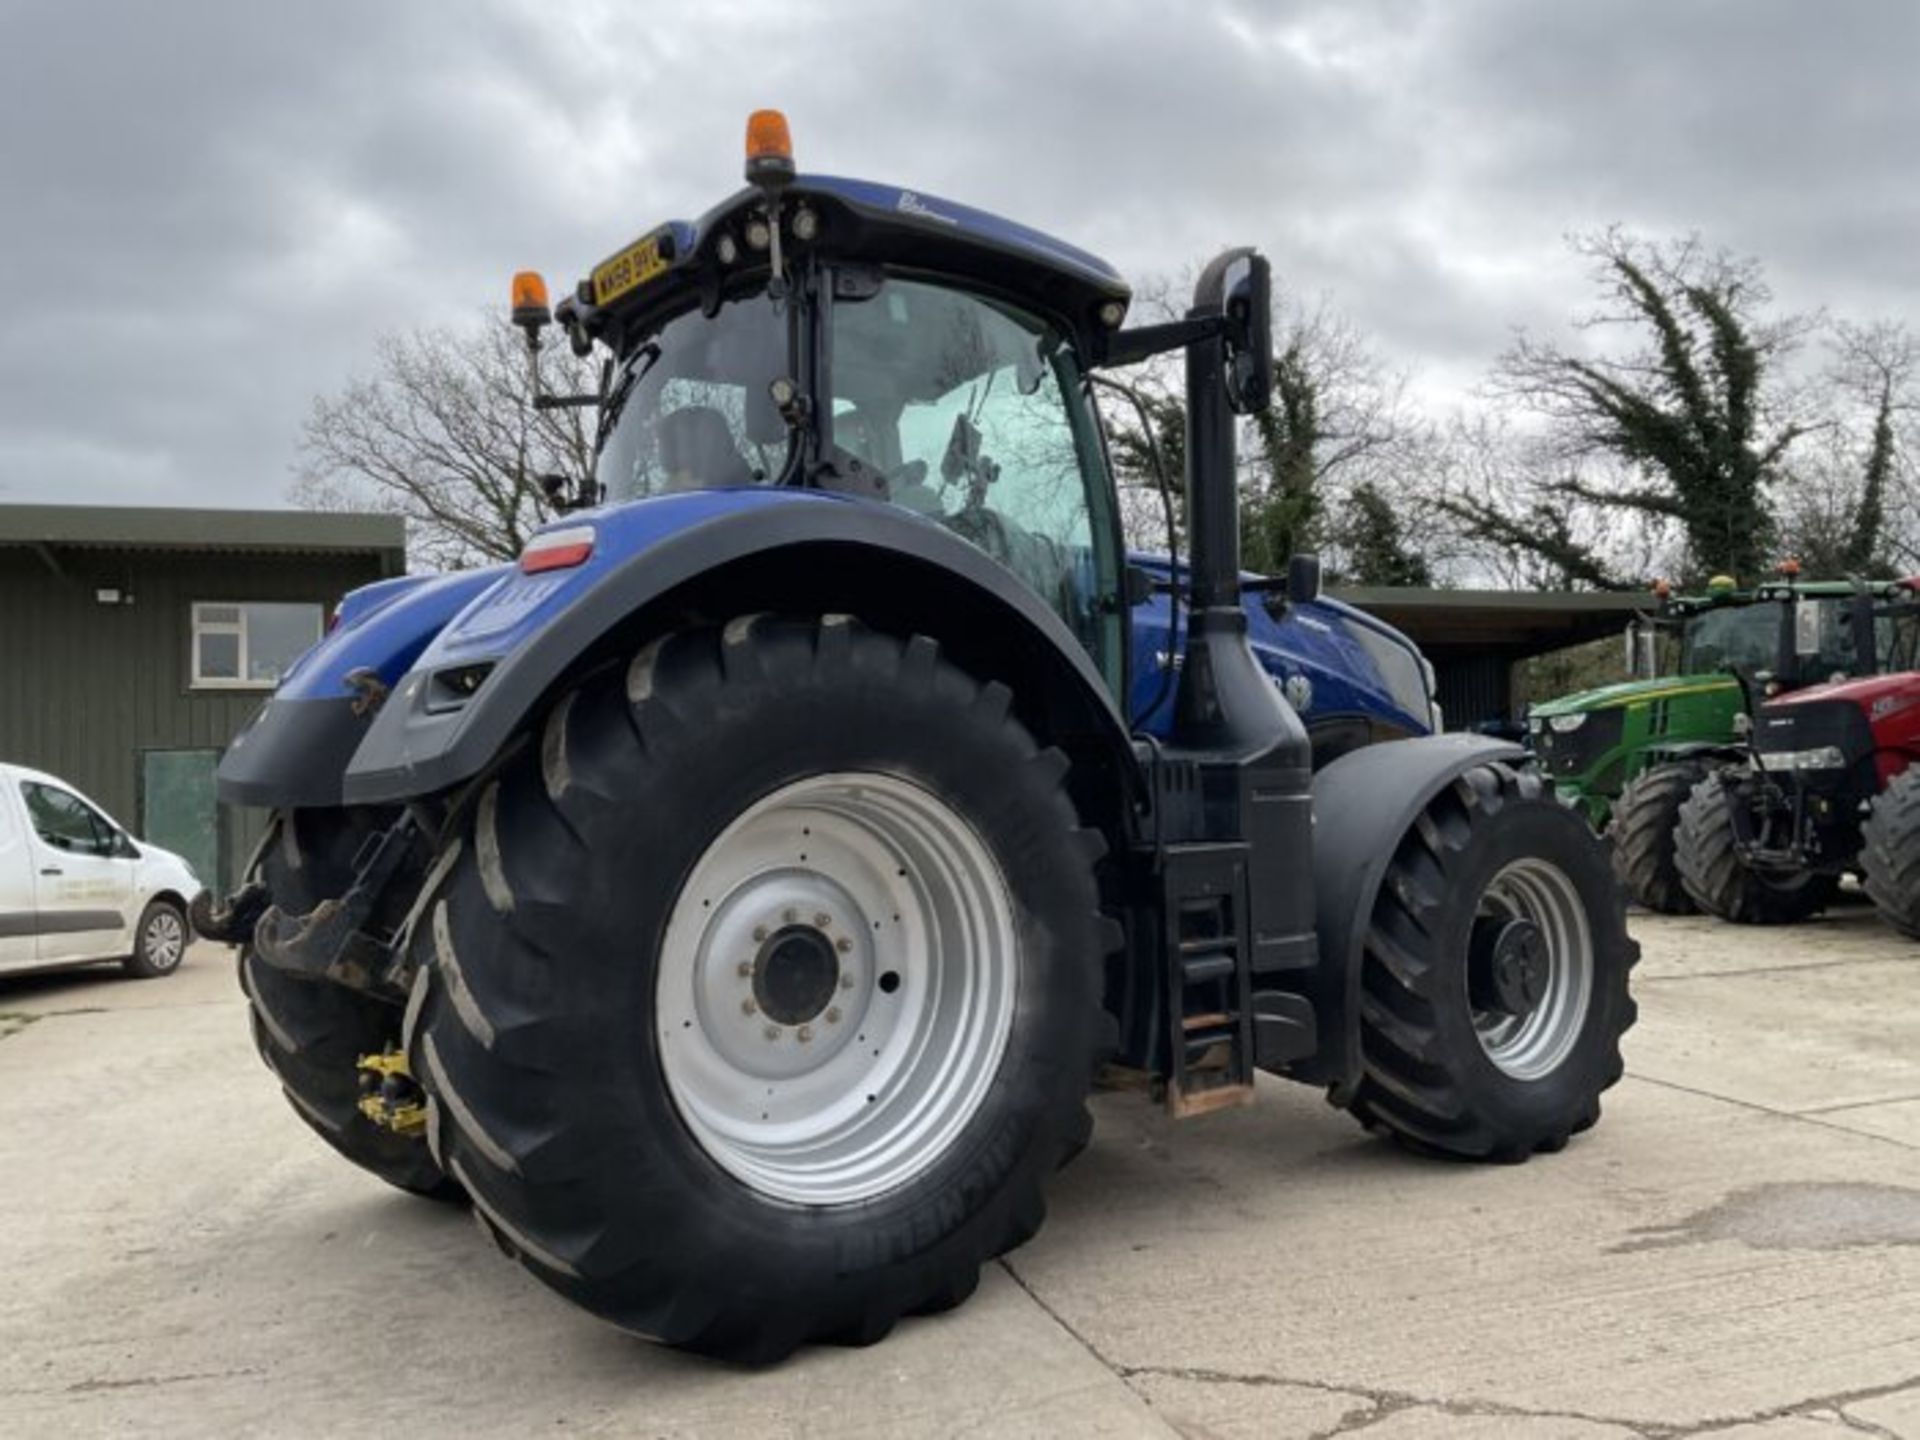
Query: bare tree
[1340, 419]
[1687, 424]
[1849, 508]
[1499, 505]
[444, 433]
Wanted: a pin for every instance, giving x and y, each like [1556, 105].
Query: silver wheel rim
[1534, 1045]
[867, 896]
[165, 940]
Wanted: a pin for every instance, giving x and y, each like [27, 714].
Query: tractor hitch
[231, 921]
[333, 940]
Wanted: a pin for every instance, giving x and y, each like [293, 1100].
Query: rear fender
[1362, 804]
[295, 750]
[713, 554]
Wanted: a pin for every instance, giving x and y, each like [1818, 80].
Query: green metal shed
[135, 642]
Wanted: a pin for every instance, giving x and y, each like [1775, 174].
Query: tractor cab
[964, 408]
[834, 335]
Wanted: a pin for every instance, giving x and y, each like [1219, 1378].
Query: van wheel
[159, 942]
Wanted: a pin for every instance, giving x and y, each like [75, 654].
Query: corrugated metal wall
[1473, 686]
[85, 687]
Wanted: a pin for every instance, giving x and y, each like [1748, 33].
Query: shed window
[249, 645]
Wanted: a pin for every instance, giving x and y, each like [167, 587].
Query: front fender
[533, 629]
[1362, 804]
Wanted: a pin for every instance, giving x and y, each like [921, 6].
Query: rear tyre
[312, 1033]
[1890, 853]
[761, 995]
[1494, 977]
[1721, 883]
[1645, 819]
[159, 941]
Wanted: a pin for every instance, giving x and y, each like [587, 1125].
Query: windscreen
[1744, 638]
[690, 408]
[1747, 639]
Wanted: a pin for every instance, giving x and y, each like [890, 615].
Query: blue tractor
[735, 899]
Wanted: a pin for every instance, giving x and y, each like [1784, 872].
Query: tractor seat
[697, 450]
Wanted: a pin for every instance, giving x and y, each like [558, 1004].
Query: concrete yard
[1734, 1251]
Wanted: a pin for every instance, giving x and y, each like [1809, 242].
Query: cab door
[18, 915]
[83, 877]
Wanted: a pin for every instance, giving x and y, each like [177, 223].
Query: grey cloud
[214, 208]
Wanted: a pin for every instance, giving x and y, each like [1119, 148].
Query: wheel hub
[1508, 965]
[835, 987]
[1530, 968]
[795, 975]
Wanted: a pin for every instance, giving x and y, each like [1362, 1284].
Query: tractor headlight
[1821, 757]
[1567, 724]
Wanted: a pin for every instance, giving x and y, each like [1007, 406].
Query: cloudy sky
[211, 210]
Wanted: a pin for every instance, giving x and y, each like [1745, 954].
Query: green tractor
[1628, 755]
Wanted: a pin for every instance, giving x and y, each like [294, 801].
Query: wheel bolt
[804, 1034]
[843, 944]
[790, 915]
[821, 920]
[747, 1007]
[759, 933]
[772, 1032]
[846, 982]
[833, 1014]
[745, 969]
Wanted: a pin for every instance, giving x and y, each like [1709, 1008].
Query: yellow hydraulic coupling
[389, 1095]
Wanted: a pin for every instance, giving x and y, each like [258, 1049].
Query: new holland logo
[1299, 692]
[911, 204]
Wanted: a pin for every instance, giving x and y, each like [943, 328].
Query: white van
[76, 888]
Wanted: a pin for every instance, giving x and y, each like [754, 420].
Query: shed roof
[292, 532]
[1514, 622]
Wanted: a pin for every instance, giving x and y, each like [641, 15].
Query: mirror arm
[1143, 342]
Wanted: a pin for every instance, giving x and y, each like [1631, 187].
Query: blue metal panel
[1318, 645]
[913, 209]
[506, 615]
[978, 225]
[383, 627]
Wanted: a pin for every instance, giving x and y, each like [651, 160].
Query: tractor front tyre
[1721, 883]
[1645, 820]
[312, 1033]
[762, 991]
[1494, 975]
[1890, 853]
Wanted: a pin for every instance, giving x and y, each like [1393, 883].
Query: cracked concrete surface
[1734, 1252]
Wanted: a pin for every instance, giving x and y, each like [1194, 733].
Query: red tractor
[1829, 788]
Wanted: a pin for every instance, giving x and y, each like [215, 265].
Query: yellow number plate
[629, 270]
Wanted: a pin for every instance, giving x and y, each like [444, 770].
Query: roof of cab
[885, 224]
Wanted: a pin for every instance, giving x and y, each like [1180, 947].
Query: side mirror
[1249, 341]
[1643, 654]
[1806, 627]
[1303, 579]
[565, 495]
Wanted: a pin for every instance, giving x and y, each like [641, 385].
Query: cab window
[971, 412]
[690, 408]
[67, 822]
